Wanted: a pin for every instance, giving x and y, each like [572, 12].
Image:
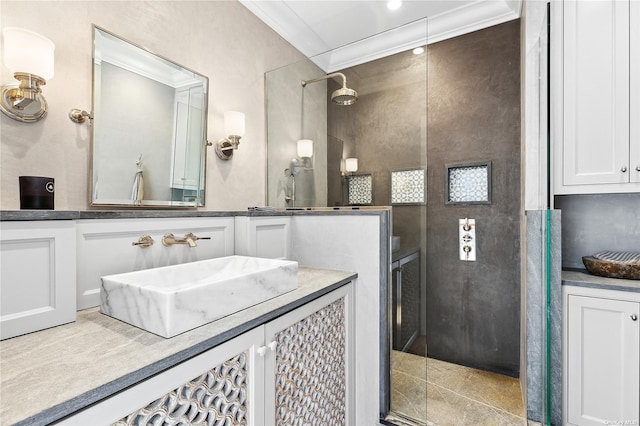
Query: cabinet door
[37, 276]
[268, 237]
[226, 388]
[634, 138]
[309, 374]
[596, 92]
[603, 374]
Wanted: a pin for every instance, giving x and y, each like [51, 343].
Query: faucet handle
[193, 237]
[144, 241]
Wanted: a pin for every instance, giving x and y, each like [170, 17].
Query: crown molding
[462, 20]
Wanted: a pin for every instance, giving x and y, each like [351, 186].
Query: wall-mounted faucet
[190, 239]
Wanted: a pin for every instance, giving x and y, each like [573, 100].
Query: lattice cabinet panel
[311, 369]
[216, 398]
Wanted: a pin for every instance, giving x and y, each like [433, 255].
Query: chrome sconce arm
[234, 127]
[24, 102]
[225, 146]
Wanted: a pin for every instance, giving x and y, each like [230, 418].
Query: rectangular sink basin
[173, 299]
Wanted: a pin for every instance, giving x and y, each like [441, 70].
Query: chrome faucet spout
[169, 239]
[190, 239]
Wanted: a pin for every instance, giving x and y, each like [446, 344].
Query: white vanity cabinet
[596, 58]
[105, 247]
[601, 356]
[298, 366]
[38, 275]
[263, 236]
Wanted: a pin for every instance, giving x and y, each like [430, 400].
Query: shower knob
[623, 169]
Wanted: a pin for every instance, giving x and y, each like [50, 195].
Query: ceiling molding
[473, 17]
[452, 23]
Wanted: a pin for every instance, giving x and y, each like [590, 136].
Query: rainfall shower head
[343, 96]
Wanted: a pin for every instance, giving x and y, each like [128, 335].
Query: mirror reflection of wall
[141, 99]
[149, 128]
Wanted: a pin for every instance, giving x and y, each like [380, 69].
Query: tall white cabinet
[601, 357]
[596, 47]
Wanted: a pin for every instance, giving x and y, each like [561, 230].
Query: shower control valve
[467, 239]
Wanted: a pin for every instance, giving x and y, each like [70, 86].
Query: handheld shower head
[343, 96]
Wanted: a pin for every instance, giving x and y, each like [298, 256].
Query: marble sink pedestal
[173, 299]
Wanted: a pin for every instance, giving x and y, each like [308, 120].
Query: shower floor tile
[454, 395]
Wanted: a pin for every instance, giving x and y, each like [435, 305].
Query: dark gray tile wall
[473, 308]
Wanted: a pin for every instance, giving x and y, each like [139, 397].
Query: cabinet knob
[634, 317]
[638, 168]
[262, 350]
[623, 169]
[273, 345]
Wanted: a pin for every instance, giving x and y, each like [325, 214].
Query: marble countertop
[49, 374]
[582, 278]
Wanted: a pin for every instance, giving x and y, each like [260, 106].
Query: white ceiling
[338, 34]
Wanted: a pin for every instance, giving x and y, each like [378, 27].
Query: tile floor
[454, 395]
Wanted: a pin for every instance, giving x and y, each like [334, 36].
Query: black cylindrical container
[36, 192]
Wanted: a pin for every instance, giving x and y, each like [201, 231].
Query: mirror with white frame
[149, 128]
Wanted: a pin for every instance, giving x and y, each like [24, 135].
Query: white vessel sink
[173, 299]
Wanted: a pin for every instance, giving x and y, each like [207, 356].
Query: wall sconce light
[234, 127]
[30, 57]
[305, 152]
[304, 148]
[350, 165]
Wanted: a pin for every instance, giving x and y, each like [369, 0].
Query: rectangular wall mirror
[149, 128]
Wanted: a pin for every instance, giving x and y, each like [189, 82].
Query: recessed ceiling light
[418, 50]
[394, 4]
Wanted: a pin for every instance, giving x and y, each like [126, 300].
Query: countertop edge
[102, 392]
[41, 215]
[581, 278]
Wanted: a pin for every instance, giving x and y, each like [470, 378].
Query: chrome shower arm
[335, 74]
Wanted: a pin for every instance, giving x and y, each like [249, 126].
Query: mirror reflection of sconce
[234, 127]
[30, 57]
[304, 147]
[350, 166]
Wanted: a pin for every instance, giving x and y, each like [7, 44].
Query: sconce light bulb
[28, 52]
[351, 165]
[305, 148]
[234, 123]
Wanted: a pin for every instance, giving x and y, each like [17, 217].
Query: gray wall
[598, 222]
[473, 308]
